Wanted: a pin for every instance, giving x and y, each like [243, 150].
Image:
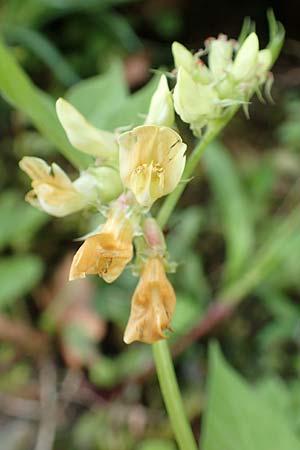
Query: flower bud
[106, 180]
[108, 252]
[220, 56]
[194, 102]
[153, 305]
[152, 161]
[84, 136]
[264, 63]
[53, 191]
[154, 236]
[182, 57]
[191, 63]
[245, 63]
[161, 111]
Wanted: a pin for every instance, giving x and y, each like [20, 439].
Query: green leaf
[233, 206]
[18, 274]
[99, 97]
[18, 89]
[134, 108]
[18, 221]
[237, 417]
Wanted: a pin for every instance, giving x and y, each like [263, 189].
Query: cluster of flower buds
[133, 169]
[232, 74]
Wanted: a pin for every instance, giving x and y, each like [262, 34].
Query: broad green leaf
[18, 220]
[99, 97]
[133, 110]
[18, 274]
[18, 89]
[233, 207]
[237, 417]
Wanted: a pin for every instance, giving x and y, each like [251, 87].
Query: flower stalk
[172, 397]
[162, 358]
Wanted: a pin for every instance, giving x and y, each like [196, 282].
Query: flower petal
[161, 111]
[152, 306]
[84, 136]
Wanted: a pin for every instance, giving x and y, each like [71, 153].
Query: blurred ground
[67, 381]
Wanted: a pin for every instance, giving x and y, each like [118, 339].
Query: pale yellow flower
[53, 191]
[245, 63]
[84, 136]
[152, 161]
[153, 304]
[220, 56]
[183, 58]
[108, 252]
[194, 102]
[161, 111]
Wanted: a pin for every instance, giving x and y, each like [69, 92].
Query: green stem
[172, 397]
[163, 361]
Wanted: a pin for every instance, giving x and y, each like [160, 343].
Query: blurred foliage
[235, 237]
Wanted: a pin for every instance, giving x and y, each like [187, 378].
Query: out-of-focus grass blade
[35, 13]
[21, 92]
[18, 274]
[45, 50]
[18, 220]
[120, 28]
[282, 244]
[233, 206]
[99, 97]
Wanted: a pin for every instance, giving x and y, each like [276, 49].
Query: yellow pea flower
[107, 252]
[53, 191]
[152, 161]
[153, 304]
[84, 136]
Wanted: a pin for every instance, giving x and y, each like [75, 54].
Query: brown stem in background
[25, 338]
[215, 315]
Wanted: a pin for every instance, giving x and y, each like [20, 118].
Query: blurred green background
[67, 381]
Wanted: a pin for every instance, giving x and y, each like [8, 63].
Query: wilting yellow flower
[153, 304]
[161, 111]
[84, 136]
[151, 162]
[107, 252]
[53, 191]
